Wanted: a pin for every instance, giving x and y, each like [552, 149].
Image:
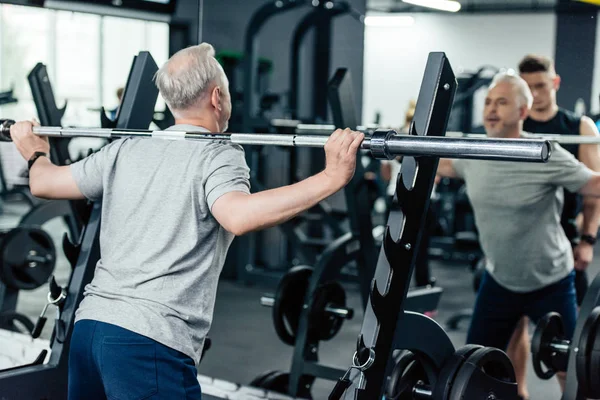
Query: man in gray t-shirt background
[517, 208]
[170, 210]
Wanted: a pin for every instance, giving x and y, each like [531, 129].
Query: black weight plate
[407, 372]
[323, 325]
[594, 362]
[585, 344]
[28, 258]
[550, 327]
[289, 299]
[490, 364]
[280, 382]
[8, 319]
[260, 379]
[450, 368]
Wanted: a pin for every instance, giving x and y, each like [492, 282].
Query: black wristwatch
[34, 158]
[588, 239]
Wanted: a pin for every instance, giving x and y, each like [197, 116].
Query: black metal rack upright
[387, 325]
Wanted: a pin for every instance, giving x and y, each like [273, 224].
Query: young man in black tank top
[546, 116]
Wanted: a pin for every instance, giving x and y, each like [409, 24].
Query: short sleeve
[227, 172]
[460, 166]
[566, 171]
[89, 172]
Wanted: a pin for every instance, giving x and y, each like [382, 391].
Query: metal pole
[382, 144]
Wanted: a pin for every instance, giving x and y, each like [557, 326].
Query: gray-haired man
[170, 212]
[517, 207]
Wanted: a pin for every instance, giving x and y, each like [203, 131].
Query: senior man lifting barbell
[170, 212]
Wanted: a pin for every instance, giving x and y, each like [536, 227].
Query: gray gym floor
[244, 341]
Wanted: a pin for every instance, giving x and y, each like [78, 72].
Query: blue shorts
[109, 362]
[497, 309]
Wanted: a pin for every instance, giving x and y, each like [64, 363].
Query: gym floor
[244, 343]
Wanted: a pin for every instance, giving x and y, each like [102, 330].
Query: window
[88, 57]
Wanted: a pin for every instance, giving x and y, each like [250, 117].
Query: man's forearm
[591, 216]
[49, 181]
[271, 207]
[445, 168]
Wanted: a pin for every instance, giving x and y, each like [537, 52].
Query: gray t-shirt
[162, 251]
[517, 208]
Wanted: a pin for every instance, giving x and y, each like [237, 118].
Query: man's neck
[209, 124]
[545, 114]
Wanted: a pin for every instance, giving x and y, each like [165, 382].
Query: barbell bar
[383, 144]
[325, 129]
[341, 312]
[560, 139]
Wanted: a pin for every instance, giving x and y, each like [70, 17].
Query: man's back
[162, 250]
[517, 211]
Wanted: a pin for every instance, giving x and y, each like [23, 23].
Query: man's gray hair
[187, 76]
[511, 77]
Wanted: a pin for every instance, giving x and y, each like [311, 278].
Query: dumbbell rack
[386, 325]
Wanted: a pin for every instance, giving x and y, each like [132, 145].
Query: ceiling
[467, 5]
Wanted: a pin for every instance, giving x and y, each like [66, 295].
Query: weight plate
[259, 380]
[8, 319]
[324, 325]
[407, 373]
[289, 300]
[583, 358]
[550, 327]
[279, 382]
[485, 373]
[594, 358]
[450, 368]
[28, 258]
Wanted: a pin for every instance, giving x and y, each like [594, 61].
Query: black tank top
[564, 122]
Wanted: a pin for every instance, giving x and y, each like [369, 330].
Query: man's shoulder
[568, 114]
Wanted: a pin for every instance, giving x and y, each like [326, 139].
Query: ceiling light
[444, 5]
[389, 20]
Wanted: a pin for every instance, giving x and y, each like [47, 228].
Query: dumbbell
[550, 349]
[327, 313]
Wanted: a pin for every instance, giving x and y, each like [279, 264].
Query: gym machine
[28, 255]
[49, 380]
[578, 356]
[320, 17]
[385, 324]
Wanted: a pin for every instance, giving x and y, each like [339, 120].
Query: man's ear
[524, 112]
[556, 82]
[215, 98]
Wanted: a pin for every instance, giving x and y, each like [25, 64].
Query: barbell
[299, 128]
[382, 144]
[557, 138]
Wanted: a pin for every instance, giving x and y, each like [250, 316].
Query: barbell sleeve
[267, 301]
[383, 144]
[560, 346]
